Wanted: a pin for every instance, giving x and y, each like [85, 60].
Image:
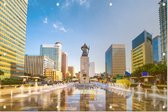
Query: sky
[98, 23]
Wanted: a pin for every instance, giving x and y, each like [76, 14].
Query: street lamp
[164, 54]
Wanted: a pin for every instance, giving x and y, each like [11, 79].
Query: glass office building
[115, 60]
[13, 17]
[108, 61]
[156, 44]
[163, 28]
[54, 52]
[142, 50]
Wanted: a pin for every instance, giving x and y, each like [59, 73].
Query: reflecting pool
[77, 98]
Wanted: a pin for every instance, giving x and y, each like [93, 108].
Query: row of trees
[11, 81]
[158, 70]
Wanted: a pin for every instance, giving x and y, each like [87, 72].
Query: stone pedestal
[84, 69]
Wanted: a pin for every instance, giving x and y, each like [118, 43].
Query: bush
[125, 82]
[11, 81]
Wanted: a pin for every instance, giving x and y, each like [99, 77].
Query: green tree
[153, 70]
[12, 80]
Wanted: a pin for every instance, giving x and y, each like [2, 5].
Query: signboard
[144, 74]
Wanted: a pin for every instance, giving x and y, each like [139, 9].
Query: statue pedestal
[84, 69]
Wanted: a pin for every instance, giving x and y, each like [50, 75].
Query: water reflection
[94, 98]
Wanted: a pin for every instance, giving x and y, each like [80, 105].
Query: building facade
[36, 65]
[13, 19]
[71, 70]
[53, 51]
[50, 74]
[163, 28]
[115, 60]
[142, 50]
[156, 44]
[91, 69]
[53, 75]
[64, 68]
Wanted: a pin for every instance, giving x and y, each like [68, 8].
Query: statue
[85, 50]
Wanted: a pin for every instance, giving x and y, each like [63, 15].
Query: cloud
[45, 21]
[60, 27]
[84, 3]
[63, 29]
[55, 26]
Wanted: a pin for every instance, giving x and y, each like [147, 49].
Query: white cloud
[63, 29]
[84, 3]
[60, 27]
[45, 21]
[55, 26]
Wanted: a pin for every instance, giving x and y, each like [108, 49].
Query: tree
[153, 70]
[12, 80]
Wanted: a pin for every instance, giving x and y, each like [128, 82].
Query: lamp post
[4, 54]
[164, 54]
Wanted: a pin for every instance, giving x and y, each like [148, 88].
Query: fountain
[36, 83]
[21, 92]
[11, 94]
[156, 93]
[146, 92]
[155, 102]
[139, 91]
[36, 90]
[29, 89]
[154, 88]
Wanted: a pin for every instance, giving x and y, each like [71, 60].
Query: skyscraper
[64, 67]
[115, 60]
[142, 50]
[36, 65]
[53, 51]
[91, 69]
[156, 44]
[13, 17]
[163, 28]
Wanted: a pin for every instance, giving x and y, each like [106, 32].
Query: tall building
[163, 28]
[71, 70]
[142, 50]
[53, 51]
[91, 69]
[52, 74]
[115, 60]
[64, 64]
[13, 17]
[156, 42]
[36, 65]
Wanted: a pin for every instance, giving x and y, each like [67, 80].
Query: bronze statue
[85, 50]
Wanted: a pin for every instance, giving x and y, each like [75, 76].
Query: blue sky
[95, 22]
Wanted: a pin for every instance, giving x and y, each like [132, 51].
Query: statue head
[85, 50]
